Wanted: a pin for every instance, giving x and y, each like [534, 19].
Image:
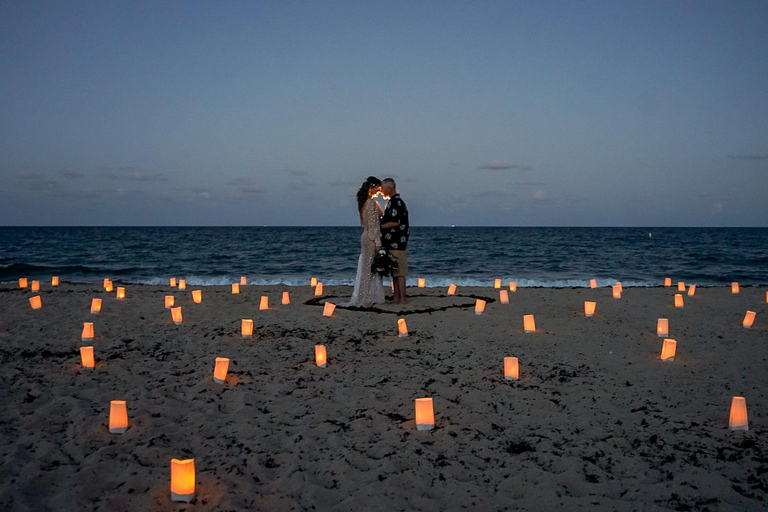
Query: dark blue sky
[487, 113]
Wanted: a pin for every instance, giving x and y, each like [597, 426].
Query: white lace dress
[368, 289]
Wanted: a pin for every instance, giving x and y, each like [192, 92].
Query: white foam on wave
[192, 281]
[431, 282]
[252, 281]
[444, 282]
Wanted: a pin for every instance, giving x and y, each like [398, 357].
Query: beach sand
[595, 422]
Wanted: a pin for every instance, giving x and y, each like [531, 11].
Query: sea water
[466, 256]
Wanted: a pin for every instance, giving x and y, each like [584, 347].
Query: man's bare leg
[400, 289]
[396, 292]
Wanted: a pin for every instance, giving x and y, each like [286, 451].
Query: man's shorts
[402, 263]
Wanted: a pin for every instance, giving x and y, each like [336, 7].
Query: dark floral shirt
[395, 239]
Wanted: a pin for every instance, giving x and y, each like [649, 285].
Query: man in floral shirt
[394, 236]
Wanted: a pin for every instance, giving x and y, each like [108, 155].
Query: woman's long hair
[365, 191]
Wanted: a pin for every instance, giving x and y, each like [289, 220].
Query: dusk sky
[488, 113]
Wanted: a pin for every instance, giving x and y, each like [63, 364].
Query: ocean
[466, 256]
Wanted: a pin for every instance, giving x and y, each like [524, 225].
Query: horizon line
[445, 226]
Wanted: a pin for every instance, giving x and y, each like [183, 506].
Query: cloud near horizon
[293, 172]
[499, 165]
[35, 181]
[503, 165]
[129, 173]
[748, 157]
[244, 188]
[145, 176]
[30, 176]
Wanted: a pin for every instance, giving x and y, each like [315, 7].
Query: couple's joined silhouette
[383, 230]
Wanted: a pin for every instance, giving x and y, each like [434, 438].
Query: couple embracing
[383, 231]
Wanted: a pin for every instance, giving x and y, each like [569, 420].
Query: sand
[595, 422]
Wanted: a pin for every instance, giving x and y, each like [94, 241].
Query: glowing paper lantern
[182, 480]
[616, 291]
[328, 309]
[668, 349]
[504, 296]
[172, 282]
[667, 281]
[529, 324]
[35, 302]
[513, 286]
[589, 308]
[118, 417]
[734, 287]
[593, 283]
[235, 288]
[662, 327]
[246, 327]
[286, 299]
[197, 296]
[749, 319]
[319, 289]
[264, 303]
[170, 300]
[680, 286]
[678, 300]
[243, 280]
[23, 282]
[313, 281]
[452, 289]
[479, 306]
[392, 285]
[182, 284]
[738, 417]
[108, 286]
[766, 297]
[176, 315]
[422, 282]
[86, 357]
[221, 369]
[120, 294]
[402, 327]
[497, 284]
[692, 290]
[95, 306]
[321, 358]
[87, 334]
[35, 286]
[621, 288]
[511, 368]
[55, 281]
[425, 414]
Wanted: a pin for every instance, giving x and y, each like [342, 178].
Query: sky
[492, 113]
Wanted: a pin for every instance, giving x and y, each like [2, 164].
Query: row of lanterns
[181, 284]
[617, 290]
[529, 324]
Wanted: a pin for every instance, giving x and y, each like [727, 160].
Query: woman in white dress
[368, 289]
